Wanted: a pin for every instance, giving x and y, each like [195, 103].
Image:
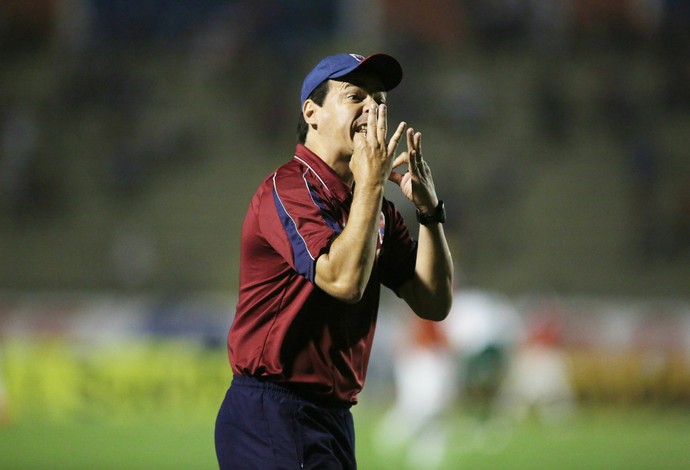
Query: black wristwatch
[436, 217]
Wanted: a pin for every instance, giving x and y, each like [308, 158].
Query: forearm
[430, 292]
[343, 272]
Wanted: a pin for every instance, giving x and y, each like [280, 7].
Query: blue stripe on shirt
[302, 258]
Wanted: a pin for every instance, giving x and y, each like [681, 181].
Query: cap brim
[383, 66]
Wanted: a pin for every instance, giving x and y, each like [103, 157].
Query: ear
[310, 112]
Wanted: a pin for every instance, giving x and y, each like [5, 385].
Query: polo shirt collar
[333, 182]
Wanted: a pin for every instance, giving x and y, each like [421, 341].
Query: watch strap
[438, 216]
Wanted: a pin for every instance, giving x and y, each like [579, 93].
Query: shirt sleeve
[300, 231]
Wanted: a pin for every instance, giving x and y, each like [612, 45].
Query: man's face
[345, 108]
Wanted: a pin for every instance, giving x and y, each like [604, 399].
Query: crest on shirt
[382, 231]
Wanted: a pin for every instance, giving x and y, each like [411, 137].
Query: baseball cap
[383, 66]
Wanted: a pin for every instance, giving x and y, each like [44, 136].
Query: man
[318, 241]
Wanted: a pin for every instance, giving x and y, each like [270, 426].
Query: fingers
[410, 139]
[372, 118]
[418, 143]
[393, 144]
[401, 160]
[377, 124]
[414, 148]
[382, 123]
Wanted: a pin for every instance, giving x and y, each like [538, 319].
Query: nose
[370, 104]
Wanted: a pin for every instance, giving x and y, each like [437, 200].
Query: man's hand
[343, 272]
[372, 159]
[430, 292]
[416, 184]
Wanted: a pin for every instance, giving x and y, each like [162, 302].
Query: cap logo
[357, 57]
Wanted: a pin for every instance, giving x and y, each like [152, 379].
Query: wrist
[428, 208]
[436, 216]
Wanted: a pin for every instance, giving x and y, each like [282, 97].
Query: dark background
[133, 133]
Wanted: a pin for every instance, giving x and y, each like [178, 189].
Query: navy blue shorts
[264, 426]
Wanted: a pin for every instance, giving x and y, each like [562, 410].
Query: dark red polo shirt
[286, 329]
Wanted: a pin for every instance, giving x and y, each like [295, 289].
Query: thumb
[395, 177]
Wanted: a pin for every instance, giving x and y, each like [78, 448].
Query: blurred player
[438, 365]
[538, 380]
[426, 385]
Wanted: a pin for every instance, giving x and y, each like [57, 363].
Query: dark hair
[317, 96]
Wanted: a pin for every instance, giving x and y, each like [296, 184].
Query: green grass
[601, 438]
[108, 445]
[606, 438]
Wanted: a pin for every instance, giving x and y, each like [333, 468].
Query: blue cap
[382, 66]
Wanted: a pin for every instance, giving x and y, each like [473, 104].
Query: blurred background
[133, 134]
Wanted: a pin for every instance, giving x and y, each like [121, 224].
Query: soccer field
[149, 402]
[619, 438]
[606, 438]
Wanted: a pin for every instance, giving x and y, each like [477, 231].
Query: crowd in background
[97, 53]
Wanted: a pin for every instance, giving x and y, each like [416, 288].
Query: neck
[339, 163]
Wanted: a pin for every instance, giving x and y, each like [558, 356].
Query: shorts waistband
[287, 391]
